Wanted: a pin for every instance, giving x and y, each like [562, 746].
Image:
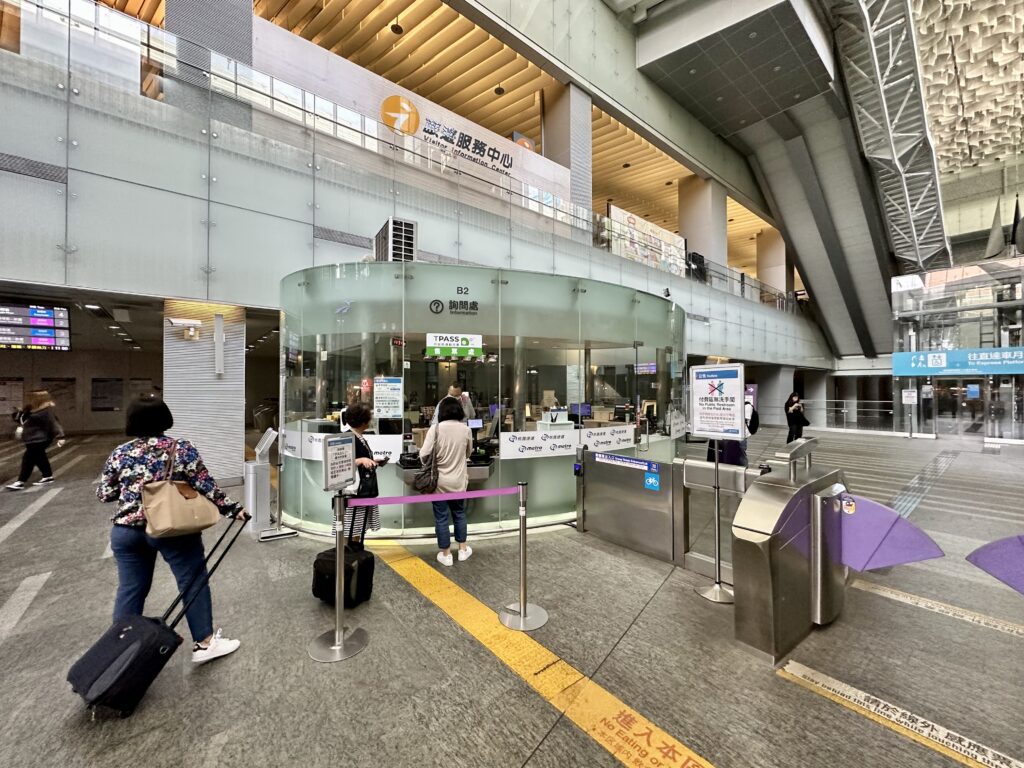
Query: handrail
[273, 95]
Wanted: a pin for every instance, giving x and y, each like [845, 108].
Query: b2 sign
[716, 401]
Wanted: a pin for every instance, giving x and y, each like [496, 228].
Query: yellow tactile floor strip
[629, 736]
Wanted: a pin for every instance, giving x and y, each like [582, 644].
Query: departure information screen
[34, 326]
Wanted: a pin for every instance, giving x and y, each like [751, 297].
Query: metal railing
[865, 415]
[165, 59]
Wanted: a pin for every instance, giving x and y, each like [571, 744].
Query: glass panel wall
[548, 363]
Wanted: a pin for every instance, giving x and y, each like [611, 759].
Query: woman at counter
[357, 418]
[451, 442]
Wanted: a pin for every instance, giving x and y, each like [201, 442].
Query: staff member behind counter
[468, 411]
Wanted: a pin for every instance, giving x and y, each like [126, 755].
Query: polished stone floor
[427, 693]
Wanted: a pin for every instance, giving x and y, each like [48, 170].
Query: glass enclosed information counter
[547, 362]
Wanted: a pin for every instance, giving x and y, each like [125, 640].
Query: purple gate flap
[1003, 559]
[875, 536]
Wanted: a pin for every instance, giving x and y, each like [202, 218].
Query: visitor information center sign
[716, 401]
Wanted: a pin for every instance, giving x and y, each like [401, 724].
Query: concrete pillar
[816, 392]
[519, 384]
[566, 138]
[773, 268]
[702, 219]
[774, 385]
[208, 407]
[847, 391]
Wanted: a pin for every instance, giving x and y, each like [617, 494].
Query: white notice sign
[716, 401]
[528, 445]
[609, 438]
[387, 397]
[339, 461]
[910, 397]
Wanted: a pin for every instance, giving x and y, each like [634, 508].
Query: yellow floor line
[625, 733]
[917, 729]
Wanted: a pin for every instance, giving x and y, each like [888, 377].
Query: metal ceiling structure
[878, 55]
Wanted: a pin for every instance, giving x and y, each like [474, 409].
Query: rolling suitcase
[359, 567]
[115, 673]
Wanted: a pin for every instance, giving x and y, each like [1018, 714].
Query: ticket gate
[787, 566]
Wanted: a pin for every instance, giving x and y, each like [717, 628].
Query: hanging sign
[454, 345]
[717, 401]
[529, 445]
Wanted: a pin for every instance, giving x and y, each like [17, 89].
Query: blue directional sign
[959, 362]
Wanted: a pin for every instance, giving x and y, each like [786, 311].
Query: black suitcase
[115, 673]
[359, 567]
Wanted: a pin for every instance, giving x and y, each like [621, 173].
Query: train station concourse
[492, 383]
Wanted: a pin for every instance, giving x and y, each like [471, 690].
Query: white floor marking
[70, 464]
[22, 517]
[16, 605]
[955, 612]
[896, 718]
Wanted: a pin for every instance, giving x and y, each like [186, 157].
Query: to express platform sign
[959, 362]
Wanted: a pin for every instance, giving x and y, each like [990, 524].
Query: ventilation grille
[396, 241]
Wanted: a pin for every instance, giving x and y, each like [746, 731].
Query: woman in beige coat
[453, 442]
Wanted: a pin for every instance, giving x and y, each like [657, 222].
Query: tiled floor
[426, 693]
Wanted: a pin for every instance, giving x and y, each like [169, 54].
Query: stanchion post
[333, 645]
[717, 592]
[523, 616]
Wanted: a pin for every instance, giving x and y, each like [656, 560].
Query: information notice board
[717, 401]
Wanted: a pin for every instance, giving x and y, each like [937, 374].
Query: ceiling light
[499, 91]
[92, 306]
[752, 35]
[719, 98]
[397, 28]
[626, 165]
[136, 347]
[796, 96]
[112, 327]
[121, 333]
[668, 183]
[776, 68]
[693, 71]
[732, 219]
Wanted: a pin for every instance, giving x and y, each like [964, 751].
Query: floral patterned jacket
[144, 460]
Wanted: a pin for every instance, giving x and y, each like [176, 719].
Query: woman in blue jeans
[451, 442]
[132, 465]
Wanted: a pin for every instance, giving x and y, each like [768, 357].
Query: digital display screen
[581, 409]
[476, 423]
[646, 368]
[34, 326]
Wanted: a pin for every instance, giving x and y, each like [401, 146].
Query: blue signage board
[652, 481]
[649, 467]
[959, 362]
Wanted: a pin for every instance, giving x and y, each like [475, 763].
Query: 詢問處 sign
[959, 362]
[716, 401]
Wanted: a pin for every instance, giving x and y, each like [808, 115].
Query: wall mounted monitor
[42, 327]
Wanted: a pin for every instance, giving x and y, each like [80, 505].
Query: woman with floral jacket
[144, 460]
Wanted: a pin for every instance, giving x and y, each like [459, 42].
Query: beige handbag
[175, 508]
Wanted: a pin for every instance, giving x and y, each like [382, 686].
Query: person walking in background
[132, 465]
[450, 441]
[795, 418]
[38, 428]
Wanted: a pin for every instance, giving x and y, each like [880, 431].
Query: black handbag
[367, 488]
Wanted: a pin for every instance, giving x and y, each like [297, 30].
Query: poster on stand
[717, 401]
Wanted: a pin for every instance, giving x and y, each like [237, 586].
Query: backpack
[753, 423]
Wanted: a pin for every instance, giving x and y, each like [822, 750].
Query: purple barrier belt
[422, 498]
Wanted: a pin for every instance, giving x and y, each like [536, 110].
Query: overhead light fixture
[499, 91]
[136, 347]
[92, 306]
[668, 183]
[113, 327]
[397, 28]
[626, 165]
[121, 333]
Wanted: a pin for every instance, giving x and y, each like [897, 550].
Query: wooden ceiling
[439, 55]
[447, 59]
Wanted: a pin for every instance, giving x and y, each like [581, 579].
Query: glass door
[973, 407]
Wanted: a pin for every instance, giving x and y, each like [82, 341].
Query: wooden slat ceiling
[445, 58]
[439, 55]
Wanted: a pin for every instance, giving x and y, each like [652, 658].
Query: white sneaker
[45, 481]
[465, 554]
[219, 646]
[17, 485]
[444, 559]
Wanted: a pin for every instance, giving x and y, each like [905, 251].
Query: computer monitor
[620, 413]
[584, 410]
[476, 423]
[490, 432]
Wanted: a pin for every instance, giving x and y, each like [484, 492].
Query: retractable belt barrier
[423, 498]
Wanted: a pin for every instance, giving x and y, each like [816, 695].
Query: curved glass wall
[549, 362]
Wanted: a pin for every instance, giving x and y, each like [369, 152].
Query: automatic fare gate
[786, 535]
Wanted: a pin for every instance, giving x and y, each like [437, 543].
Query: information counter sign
[716, 401]
[339, 463]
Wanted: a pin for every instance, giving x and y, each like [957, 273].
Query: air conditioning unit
[396, 241]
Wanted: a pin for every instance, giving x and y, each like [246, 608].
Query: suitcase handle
[208, 574]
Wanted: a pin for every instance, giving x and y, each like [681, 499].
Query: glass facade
[560, 360]
[960, 348]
